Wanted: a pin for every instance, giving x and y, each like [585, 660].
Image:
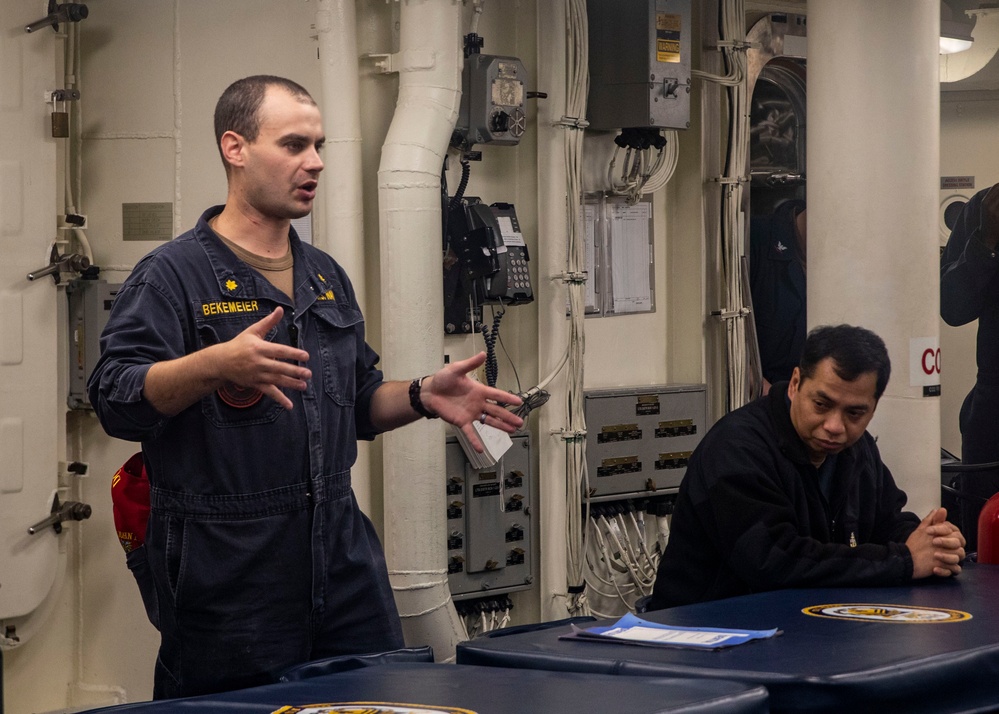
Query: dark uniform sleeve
[144, 327]
[967, 266]
[369, 379]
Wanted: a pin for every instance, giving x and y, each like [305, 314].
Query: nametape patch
[229, 307]
[867, 612]
[370, 708]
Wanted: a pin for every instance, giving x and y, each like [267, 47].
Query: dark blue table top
[482, 690]
[817, 664]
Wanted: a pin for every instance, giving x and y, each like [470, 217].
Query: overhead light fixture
[955, 36]
[962, 65]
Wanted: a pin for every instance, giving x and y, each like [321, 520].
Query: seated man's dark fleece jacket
[751, 517]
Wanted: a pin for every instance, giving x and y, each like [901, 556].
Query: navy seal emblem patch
[370, 708]
[877, 612]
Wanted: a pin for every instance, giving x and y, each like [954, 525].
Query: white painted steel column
[873, 250]
[342, 212]
[409, 209]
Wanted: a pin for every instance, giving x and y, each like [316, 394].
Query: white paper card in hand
[495, 443]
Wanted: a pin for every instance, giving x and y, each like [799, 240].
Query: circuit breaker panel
[488, 522]
[89, 308]
[638, 440]
[639, 63]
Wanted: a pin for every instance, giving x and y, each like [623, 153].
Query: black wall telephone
[486, 262]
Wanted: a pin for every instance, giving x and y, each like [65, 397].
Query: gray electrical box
[639, 64]
[492, 102]
[89, 306]
[489, 522]
[638, 440]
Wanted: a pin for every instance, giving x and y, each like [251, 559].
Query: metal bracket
[406, 61]
[68, 511]
[72, 263]
[61, 95]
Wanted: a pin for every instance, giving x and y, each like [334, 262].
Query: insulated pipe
[342, 235]
[553, 328]
[409, 212]
[873, 248]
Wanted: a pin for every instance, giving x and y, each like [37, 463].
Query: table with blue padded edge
[482, 690]
[816, 664]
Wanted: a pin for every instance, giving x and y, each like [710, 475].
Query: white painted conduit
[342, 234]
[429, 66]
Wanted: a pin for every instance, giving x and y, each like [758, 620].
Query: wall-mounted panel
[638, 440]
[488, 522]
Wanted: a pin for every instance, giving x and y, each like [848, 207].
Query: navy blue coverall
[777, 285]
[969, 290]
[258, 552]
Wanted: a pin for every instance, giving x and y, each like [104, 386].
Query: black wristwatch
[414, 399]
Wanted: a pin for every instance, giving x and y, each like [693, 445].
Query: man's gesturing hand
[248, 360]
[460, 400]
[251, 361]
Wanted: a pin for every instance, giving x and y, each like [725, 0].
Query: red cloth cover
[130, 502]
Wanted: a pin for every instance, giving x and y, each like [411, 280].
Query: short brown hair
[239, 106]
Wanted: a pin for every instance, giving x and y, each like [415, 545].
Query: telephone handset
[491, 249]
[511, 283]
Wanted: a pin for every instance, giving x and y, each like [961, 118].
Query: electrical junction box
[89, 307]
[639, 64]
[489, 515]
[638, 440]
[492, 102]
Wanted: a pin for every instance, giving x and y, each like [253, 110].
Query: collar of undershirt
[259, 262]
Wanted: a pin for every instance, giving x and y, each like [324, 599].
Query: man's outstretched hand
[460, 400]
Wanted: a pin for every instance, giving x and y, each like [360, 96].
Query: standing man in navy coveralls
[969, 290]
[236, 355]
[777, 245]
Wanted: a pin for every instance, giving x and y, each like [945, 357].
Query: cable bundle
[622, 553]
[484, 614]
[732, 44]
[640, 172]
[577, 479]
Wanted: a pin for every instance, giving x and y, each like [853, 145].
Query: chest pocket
[338, 336]
[232, 406]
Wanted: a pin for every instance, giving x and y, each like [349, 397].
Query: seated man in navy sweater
[790, 491]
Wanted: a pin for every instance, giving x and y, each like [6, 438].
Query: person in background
[777, 285]
[789, 491]
[236, 355]
[969, 290]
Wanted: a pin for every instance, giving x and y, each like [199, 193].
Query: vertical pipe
[553, 328]
[342, 234]
[429, 65]
[873, 155]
